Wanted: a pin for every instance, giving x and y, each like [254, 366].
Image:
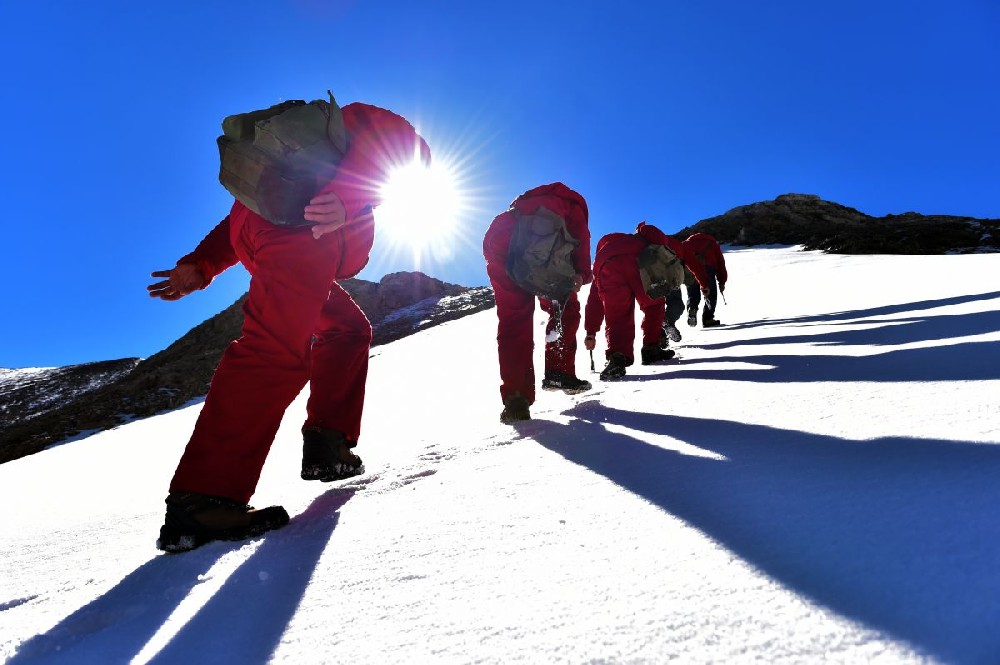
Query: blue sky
[665, 111]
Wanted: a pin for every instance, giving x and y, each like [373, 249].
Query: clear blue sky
[666, 111]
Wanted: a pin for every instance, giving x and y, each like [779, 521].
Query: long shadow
[899, 331]
[865, 313]
[898, 533]
[242, 623]
[968, 361]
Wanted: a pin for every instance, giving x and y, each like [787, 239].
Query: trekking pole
[592, 367]
[723, 294]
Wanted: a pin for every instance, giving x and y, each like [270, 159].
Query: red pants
[299, 326]
[515, 314]
[620, 288]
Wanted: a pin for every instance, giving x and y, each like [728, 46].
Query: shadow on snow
[964, 361]
[890, 332]
[242, 622]
[898, 533]
[968, 361]
[851, 315]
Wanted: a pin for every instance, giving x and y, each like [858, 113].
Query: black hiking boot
[672, 332]
[195, 519]
[615, 369]
[692, 319]
[569, 384]
[710, 322]
[515, 408]
[652, 354]
[327, 456]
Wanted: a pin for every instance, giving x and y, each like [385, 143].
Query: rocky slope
[808, 220]
[41, 407]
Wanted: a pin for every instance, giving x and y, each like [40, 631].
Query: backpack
[540, 255]
[275, 160]
[660, 269]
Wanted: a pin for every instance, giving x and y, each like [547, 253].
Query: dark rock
[808, 220]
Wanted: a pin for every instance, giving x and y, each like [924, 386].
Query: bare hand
[180, 281]
[589, 342]
[328, 211]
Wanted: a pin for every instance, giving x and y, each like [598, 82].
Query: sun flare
[420, 208]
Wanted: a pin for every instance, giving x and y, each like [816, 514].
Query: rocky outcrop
[27, 394]
[808, 220]
[55, 404]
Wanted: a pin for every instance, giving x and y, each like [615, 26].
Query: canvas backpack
[275, 160]
[540, 256]
[660, 270]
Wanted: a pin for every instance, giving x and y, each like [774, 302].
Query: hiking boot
[515, 407]
[615, 369]
[569, 384]
[327, 456]
[672, 332]
[710, 322]
[195, 519]
[692, 319]
[652, 354]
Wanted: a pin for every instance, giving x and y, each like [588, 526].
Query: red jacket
[706, 250]
[377, 140]
[561, 200]
[630, 244]
[615, 244]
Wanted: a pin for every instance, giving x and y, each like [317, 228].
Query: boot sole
[174, 541]
[568, 391]
[329, 475]
[661, 360]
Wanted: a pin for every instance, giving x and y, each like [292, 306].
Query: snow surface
[817, 481]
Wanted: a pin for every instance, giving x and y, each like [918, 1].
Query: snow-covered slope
[814, 482]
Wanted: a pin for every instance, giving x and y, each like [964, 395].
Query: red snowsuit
[300, 325]
[618, 287]
[515, 306]
[706, 250]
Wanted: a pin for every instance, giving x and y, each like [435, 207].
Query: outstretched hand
[328, 211]
[180, 281]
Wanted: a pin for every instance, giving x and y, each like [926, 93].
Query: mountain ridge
[51, 405]
[817, 224]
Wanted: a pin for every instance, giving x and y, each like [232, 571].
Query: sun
[421, 207]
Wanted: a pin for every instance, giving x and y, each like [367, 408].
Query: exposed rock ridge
[808, 220]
